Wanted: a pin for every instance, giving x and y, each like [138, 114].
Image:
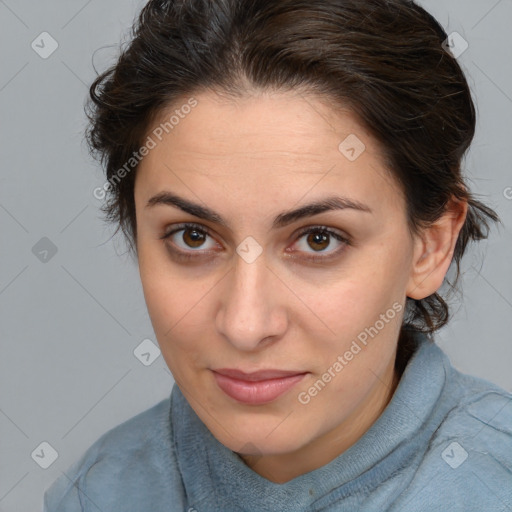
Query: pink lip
[258, 387]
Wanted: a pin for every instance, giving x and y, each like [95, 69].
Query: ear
[433, 251]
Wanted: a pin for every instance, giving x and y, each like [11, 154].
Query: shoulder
[482, 419]
[468, 462]
[118, 471]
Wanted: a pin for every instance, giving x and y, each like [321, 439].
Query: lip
[256, 388]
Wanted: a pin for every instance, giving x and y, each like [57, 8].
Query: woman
[288, 176]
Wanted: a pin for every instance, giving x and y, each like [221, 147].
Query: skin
[249, 160]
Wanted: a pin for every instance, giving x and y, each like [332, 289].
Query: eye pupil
[196, 237]
[318, 238]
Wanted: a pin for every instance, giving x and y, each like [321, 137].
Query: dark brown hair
[383, 59]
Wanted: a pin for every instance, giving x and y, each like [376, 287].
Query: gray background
[69, 325]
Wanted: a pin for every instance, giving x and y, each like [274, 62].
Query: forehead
[265, 145]
[261, 123]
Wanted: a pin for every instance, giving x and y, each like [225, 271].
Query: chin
[260, 438]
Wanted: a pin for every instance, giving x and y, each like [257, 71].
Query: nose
[251, 313]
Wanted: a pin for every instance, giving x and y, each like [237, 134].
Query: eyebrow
[283, 219]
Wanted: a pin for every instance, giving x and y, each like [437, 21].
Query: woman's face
[240, 290]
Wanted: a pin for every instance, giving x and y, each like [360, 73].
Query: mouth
[256, 388]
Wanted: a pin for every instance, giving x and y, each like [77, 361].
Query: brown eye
[320, 244]
[318, 241]
[193, 237]
[186, 238]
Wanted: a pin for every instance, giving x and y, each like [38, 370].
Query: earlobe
[433, 251]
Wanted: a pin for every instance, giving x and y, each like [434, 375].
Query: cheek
[176, 324]
[164, 292]
[365, 309]
[176, 303]
[157, 292]
[364, 315]
[356, 299]
[173, 305]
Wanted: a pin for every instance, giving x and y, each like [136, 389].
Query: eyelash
[187, 256]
